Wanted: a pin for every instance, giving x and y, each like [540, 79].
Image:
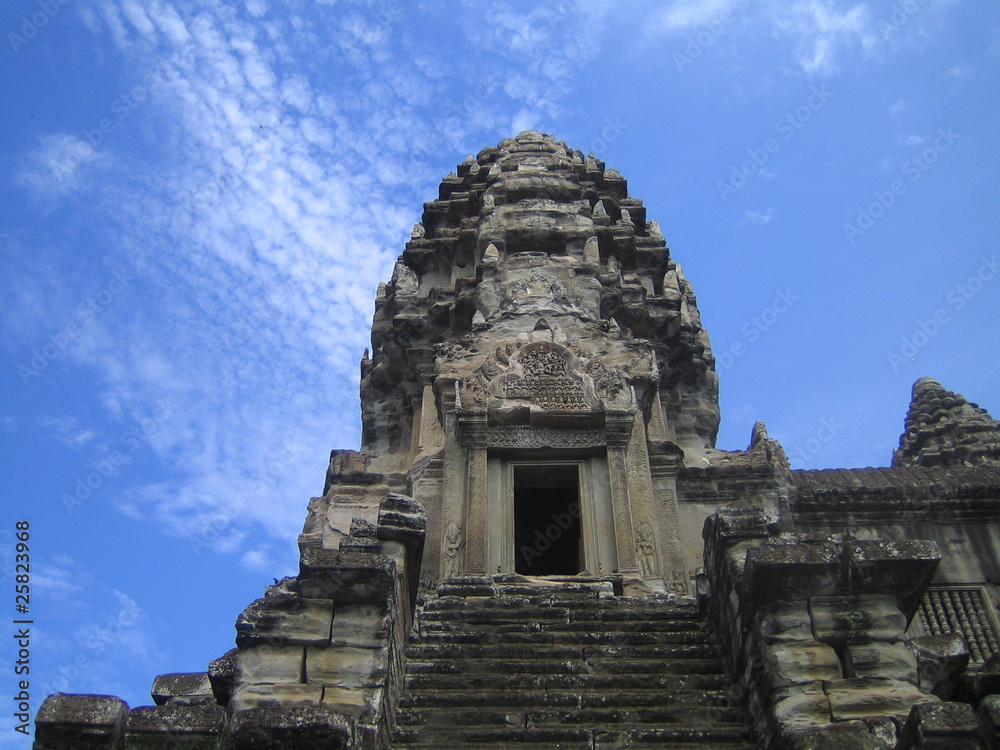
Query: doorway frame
[596, 511]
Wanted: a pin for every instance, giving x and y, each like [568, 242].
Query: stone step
[557, 652]
[543, 621]
[569, 591]
[716, 738]
[434, 689]
[689, 716]
[548, 607]
[672, 696]
[509, 664]
[453, 633]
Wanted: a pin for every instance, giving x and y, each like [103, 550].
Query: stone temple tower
[535, 337]
[538, 534]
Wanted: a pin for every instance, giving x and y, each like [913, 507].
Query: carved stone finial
[600, 214]
[626, 219]
[479, 321]
[404, 279]
[759, 434]
[491, 254]
[592, 251]
[418, 232]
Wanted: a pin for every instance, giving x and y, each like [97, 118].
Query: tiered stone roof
[944, 429]
[526, 230]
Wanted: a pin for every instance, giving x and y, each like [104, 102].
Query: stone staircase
[508, 662]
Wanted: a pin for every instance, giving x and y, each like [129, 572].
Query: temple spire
[943, 429]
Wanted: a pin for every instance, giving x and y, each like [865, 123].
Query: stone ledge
[290, 728]
[189, 688]
[80, 721]
[174, 726]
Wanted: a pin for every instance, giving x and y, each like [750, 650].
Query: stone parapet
[813, 627]
[319, 661]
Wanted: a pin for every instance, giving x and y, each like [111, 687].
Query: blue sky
[199, 201]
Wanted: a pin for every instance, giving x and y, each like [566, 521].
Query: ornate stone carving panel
[523, 436]
[546, 376]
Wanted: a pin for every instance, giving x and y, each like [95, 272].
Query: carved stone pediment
[545, 377]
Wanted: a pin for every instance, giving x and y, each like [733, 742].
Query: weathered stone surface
[786, 621]
[251, 695]
[775, 572]
[362, 625]
[346, 666]
[860, 697]
[289, 728]
[801, 707]
[175, 726]
[81, 722]
[989, 713]
[840, 620]
[890, 660]
[901, 567]
[941, 659]
[222, 675]
[941, 726]
[270, 664]
[285, 617]
[183, 689]
[847, 735]
[346, 576]
[794, 663]
[883, 729]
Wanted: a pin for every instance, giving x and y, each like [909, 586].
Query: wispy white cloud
[261, 220]
[823, 32]
[758, 218]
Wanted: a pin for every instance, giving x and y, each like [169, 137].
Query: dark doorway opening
[547, 538]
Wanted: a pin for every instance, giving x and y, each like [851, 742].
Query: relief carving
[646, 549]
[549, 376]
[518, 436]
[453, 543]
